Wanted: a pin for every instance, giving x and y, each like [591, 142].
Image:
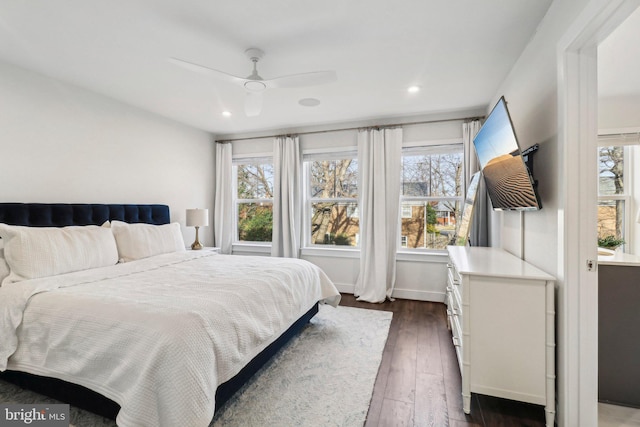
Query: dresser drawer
[453, 276]
[456, 300]
[456, 323]
[456, 333]
[456, 329]
[448, 300]
[454, 282]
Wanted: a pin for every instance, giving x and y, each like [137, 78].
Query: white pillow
[137, 241]
[33, 252]
[4, 268]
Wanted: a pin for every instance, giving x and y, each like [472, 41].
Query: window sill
[251, 248]
[331, 251]
[422, 255]
[417, 255]
[403, 255]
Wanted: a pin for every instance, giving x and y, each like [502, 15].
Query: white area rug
[323, 377]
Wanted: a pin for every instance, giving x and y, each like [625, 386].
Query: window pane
[255, 222]
[611, 218]
[334, 178]
[334, 223]
[432, 175]
[440, 219]
[611, 170]
[255, 181]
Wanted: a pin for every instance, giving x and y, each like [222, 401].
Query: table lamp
[197, 218]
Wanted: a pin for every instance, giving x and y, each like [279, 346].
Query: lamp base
[196, 245]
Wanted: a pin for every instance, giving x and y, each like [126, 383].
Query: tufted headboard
[64, 214]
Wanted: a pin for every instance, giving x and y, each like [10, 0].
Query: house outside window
[614, 192]
[254, 199]
[432, 188]
[332, 217]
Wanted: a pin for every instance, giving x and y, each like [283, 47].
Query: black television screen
[506, 176]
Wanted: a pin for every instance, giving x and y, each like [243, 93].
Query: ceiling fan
[255, 85]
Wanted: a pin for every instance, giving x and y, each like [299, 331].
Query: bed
[156, 336]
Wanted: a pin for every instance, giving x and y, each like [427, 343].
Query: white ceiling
[457, 51]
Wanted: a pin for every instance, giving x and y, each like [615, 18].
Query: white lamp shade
[197, 217]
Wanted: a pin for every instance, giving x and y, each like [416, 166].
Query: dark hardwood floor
[419, 383]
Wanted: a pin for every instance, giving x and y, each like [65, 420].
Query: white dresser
[502, 318]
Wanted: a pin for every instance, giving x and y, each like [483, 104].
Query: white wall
[532, 95]
[634, 246]
[616, 112]
[60, 143]
[419, 276]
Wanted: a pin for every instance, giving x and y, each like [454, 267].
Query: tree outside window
[254, 202]
[612, 192]
[432, 188]
[333, 201]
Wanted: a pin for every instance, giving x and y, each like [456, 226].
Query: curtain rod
[618, 134]
[226, 141]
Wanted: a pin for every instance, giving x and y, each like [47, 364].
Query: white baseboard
[413, 294]
[418, 295]
[345, 287]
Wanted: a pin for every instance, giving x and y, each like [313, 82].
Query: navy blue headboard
[64, 214]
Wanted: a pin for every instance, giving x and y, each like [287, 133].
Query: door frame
[577, 217]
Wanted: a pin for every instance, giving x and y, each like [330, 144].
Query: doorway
[618, 60]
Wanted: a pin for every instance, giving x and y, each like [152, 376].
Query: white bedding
[156, 335]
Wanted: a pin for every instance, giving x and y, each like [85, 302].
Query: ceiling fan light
[255, 86]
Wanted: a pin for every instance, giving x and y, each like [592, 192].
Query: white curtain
[287, 197]
[479, 233]
[380, 162]
[469, 131]
[223, 208]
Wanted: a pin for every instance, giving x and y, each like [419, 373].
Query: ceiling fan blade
[253, 104]
[301, 80]
[206, 70]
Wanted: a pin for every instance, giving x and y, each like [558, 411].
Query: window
[254, 199]
[332, 199]
[613, 192]
[432, 188]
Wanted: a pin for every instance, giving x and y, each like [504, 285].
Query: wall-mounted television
[508, 179]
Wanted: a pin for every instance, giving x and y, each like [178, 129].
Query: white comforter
[157, 335]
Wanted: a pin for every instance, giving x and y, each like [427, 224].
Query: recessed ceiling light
[226, 114]
[309, 102]
[413, 89]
